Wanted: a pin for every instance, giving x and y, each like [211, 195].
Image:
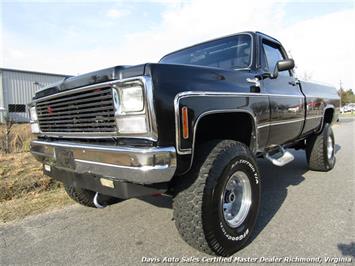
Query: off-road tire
[198, 213]
[316, 150]
[85, 197]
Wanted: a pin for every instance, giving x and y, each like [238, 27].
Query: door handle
[255, 87]
[254, 81]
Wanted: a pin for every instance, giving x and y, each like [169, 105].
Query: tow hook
[96, 202]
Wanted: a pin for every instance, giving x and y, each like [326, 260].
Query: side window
[273, 54]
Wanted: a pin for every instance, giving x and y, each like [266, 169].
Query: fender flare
[328, 106]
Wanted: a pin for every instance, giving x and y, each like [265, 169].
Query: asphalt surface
[304, 214]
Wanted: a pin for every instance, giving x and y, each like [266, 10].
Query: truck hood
[103, 75]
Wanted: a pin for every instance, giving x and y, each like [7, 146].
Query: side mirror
[282, 65]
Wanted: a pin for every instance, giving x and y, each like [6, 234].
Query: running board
[280, 158]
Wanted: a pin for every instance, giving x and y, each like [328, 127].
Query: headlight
[35, 128]
[135, 124]
[131, 99]
[34, 120]
[131, 117]
[134, 111]
[33, 114]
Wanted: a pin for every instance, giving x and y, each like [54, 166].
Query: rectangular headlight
[135, 124]
[35, 128]
[134, 107]
[34, 120]
[132, 99]
[33, 114]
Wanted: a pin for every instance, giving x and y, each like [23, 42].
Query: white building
[17, 87]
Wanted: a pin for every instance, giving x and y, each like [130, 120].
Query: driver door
[287, 106]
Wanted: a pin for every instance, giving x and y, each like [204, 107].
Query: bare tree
[9, 122]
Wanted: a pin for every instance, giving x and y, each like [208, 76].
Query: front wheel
[217, 203]
[320, 150]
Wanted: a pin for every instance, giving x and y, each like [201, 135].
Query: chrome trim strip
[264, 125]
[288, 121]
[251, 52]
[197, 94]
[102, 147]
[282, 122]
[254, 139]
[151, 110]
[284, 95]
[75, 135]
[217, 94]
[142, 168]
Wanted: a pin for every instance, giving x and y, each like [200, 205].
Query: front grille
[86, 111]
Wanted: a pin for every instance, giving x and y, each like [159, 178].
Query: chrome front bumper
[137, 165]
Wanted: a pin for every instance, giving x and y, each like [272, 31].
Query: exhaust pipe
[96, 202]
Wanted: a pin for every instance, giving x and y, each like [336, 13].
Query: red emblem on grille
[49, 109]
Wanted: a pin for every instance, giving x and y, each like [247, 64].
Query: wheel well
[234, 126]
[328, 115]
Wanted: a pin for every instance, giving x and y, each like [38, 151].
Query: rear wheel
[218, 201]
[86, 197]
[320, 150]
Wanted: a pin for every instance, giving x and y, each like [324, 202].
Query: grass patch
[33, 203]
[22, 174]
[24, 190]
[19, 138]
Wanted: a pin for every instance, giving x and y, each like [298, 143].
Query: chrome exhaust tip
[96, 202]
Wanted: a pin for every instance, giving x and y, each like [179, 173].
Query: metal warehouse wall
[18, 87]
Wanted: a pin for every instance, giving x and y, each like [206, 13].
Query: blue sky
[46, 21]
[78, 36]
[301, 10]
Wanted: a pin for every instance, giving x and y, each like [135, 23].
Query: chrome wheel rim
[236, 199]
[330, 147]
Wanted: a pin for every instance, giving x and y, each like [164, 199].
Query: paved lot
[303, 214]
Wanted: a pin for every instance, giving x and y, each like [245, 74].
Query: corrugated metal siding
[19, 88]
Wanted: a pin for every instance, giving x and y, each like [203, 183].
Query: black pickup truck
[191, 127]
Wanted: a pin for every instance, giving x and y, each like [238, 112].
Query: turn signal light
[185, 122]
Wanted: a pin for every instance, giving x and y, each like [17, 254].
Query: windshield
[229, 53]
